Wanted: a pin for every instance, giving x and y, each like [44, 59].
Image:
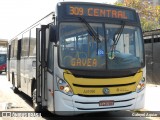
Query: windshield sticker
[84, 62]
[100, 52]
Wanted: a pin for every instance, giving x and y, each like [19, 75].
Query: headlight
[64, 87]
[141, 85]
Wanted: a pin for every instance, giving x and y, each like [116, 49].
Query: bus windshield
[81, 50]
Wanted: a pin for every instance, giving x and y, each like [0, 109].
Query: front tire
[15, 89]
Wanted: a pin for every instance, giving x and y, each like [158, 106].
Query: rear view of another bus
[3, 55]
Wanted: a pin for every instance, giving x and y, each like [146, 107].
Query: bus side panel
[50, 93]
[30, 74]
[50, 78]
[18, 74]
[8, 70]
[13, 71]
[22, 72]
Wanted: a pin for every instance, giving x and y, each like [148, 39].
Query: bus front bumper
[73, 105]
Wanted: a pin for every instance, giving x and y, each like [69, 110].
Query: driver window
[50, 57]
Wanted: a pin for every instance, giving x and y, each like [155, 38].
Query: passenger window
[32, 50]
[25, 44]
[12, 49]
[15, 48]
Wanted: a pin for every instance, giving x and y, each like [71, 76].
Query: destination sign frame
[96, 10]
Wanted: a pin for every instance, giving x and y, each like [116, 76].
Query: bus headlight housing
[141, 85]
[64, 87]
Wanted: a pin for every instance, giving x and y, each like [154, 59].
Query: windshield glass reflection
[127, 52]
[112, 50]
[79, 48]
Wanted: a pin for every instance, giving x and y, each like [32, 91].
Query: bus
[82, 58]
[3, 55]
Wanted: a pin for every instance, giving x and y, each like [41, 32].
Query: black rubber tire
[15, 90]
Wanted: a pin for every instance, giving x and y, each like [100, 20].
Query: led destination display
[99, 11]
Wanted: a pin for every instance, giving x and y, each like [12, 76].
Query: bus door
[43, 76]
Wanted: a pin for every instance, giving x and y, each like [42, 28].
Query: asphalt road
[10, 102]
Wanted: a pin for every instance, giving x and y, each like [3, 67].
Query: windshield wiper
[115, 40]
[91, 30]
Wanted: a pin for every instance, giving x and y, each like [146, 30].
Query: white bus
[82, 58]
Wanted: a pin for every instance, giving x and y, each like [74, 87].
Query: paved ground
[152, 97]
[20, 102]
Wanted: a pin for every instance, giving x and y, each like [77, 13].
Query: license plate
[106, 103]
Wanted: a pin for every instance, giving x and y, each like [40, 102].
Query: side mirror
[52, 33]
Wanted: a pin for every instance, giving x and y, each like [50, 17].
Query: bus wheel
[15, 90]
[0, 72]
[37, 107]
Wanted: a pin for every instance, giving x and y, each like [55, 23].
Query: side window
[32, 49]
[50, 57]
[15, 48]
[9, 52]
[19, 49]
[47, 40]
[12, 49]
[25, 44]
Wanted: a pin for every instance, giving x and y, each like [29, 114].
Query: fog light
[139, 86]
[66, 89]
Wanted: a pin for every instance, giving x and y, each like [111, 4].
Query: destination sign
[99, 11]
